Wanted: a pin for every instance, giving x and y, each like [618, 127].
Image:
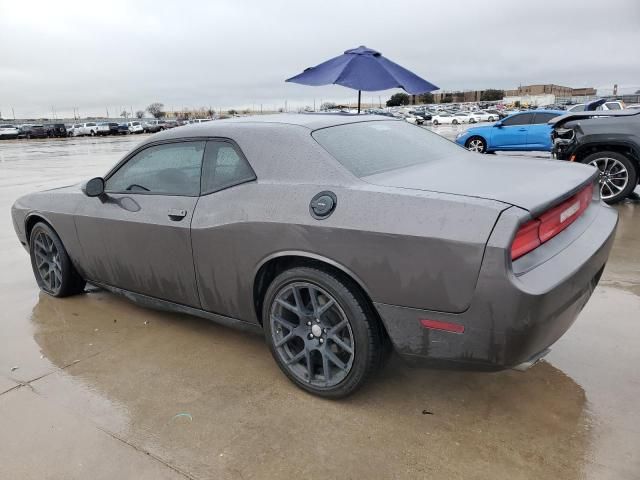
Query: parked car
[200, 120]
[604, 105]
[482, 116]
[32, 131]
[607, 140]
[123, 129]
[87, 128]
[444, 118]
[103, 129]
[56, 130]
[483, 280]
[113, 128]
[74, 130]
[135, 127]
[8, 132]
[520, 131]
[153, 126]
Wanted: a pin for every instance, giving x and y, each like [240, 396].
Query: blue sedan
[520, 131]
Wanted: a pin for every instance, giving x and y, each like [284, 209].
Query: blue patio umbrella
[363, 69]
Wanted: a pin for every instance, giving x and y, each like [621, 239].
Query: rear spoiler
[557, 121]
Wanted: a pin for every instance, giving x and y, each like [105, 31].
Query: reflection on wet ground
[95, 387]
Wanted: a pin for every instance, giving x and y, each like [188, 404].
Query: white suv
[612, 105]
[135, 127]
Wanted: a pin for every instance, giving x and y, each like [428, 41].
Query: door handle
[177, 214]
[522, 129]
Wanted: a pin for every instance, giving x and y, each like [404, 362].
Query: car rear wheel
[435, 122]
[321, 332]
[618, 175]
[490, 119]
[454, 121]
[476, 144]
[51, 264]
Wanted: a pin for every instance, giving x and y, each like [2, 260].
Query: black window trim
[519, 115]
[239, 151]
[141, 148]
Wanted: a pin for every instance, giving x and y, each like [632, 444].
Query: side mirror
[498, 124]
[94, 187]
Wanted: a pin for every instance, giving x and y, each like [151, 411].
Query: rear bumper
[512, 318]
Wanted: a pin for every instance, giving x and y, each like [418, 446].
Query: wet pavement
[95, 387]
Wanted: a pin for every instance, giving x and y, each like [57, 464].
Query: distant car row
[8, 131]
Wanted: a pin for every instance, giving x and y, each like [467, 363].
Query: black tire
[435, 122]
[28, 136]
[476, 142]
[610, 164]
[364, 331]
[43, 241]
[490, 119]
[454, 122]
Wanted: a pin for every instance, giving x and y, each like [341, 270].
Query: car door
[511, 133]
[137, 235]
[539, 135]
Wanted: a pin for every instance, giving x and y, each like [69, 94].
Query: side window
[613, 106]
[577, 108]
[544, 117]
[171, 169]
[522, 119]
[224, 167]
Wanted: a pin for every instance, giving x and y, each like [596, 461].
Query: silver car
[338, 237]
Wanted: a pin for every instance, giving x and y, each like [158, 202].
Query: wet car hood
[528, 183]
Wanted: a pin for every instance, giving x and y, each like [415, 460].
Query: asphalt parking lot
[95, 387]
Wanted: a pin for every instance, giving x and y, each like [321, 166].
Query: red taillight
[446, 326]
[534, 233]
[526, 239]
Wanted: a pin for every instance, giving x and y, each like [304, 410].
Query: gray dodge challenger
[340, 237]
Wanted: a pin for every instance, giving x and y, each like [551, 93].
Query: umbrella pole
[359, 94]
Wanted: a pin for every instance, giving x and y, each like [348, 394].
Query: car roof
[310, 121]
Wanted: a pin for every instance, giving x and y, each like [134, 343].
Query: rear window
[368, 148]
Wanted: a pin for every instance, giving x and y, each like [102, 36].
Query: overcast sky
[112, 54]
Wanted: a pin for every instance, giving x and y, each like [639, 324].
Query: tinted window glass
[613, 106]
[368, 148]
[544, 117]
[224, 167]
[172, 169]
[577, 108]
[524, 119]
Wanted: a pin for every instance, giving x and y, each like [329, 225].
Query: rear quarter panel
[415, 249]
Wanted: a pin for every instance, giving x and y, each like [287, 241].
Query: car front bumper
[513, 319]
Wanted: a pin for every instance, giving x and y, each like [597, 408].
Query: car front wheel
[51, 264]
[321, 332]
[476, 144]
[618, 175]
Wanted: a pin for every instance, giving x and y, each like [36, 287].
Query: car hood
[532, 184]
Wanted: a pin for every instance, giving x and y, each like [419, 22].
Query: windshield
[368, 148]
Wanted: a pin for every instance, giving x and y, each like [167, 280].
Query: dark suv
[56, 130]
[608, 140]
[32, 131]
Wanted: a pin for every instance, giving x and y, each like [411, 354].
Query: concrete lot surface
[94, 387]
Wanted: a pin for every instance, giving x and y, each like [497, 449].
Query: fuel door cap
[322, 205]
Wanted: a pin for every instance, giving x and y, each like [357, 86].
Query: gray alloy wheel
[476, 144]
[312, 334]
[323, 335]
[51, 265]
[617, 177]
[454, 122]
[48, 266]
[490, 119]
